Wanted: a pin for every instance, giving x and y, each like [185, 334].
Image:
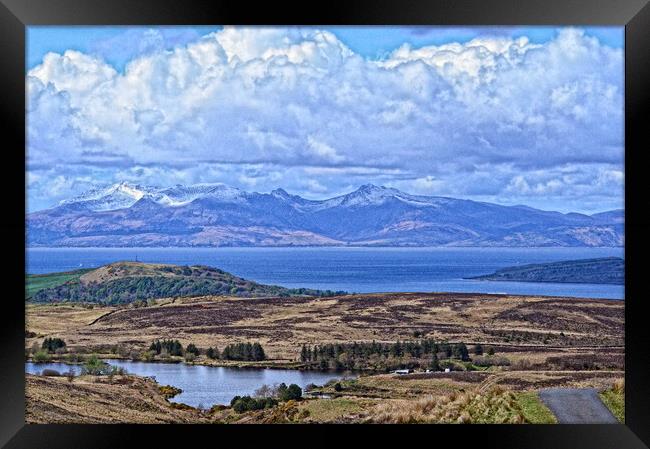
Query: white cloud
[491, 108]
[323, 151]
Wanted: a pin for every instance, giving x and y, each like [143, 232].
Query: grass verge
[614, 399]
[534, 410]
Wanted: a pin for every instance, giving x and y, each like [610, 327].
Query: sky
[511, 115]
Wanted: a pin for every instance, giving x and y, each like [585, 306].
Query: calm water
[205, 385]
[359, 270]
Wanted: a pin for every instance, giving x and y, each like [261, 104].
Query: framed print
[390, 218]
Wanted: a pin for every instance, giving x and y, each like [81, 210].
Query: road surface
[577, 406]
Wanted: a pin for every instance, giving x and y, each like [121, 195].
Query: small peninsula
[605, 270]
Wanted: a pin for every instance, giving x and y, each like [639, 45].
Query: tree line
[238, 351]
[425, 353]
[243, 351]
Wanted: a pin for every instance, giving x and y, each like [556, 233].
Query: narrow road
[577, 406]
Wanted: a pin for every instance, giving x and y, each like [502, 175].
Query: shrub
[212, 353]
[74, 358]
[50, 373]
[117, 370]
[619, 386]
[478, 349]
[169, 391]
[192, 349]
[292, 392]
[338, 387]
[41, 357]
[96, 367]
[242, 404]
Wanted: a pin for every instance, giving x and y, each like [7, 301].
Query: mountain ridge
[126, 215]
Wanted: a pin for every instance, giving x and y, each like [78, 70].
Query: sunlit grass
[37, 282]
[534, 410]
[614, 399]
[323, 410]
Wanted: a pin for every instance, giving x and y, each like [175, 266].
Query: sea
[351, 269]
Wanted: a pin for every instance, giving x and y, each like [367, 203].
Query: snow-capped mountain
[218, 215]
[124, 195]
[180, 195]
[117, 196]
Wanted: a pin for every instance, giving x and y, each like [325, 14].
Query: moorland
[469, 357]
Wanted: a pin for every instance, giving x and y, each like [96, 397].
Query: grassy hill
[606, 270]
[125, 282]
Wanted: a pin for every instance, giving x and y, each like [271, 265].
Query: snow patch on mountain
[180, 195]
[124, 195]
[117, 196]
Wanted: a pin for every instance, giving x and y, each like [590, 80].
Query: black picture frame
[15, 15]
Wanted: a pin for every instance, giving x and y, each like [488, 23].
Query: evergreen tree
[434, 365]
[192, 349]
[460, 352]
[258, 352]
[305, 354]
[52, 344]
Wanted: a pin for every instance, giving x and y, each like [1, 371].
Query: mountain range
[126, 215]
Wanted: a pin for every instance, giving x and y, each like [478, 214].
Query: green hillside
[37, 282]
[125, 282]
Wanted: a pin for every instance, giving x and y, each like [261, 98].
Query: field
[530, 328]
[34, 283]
